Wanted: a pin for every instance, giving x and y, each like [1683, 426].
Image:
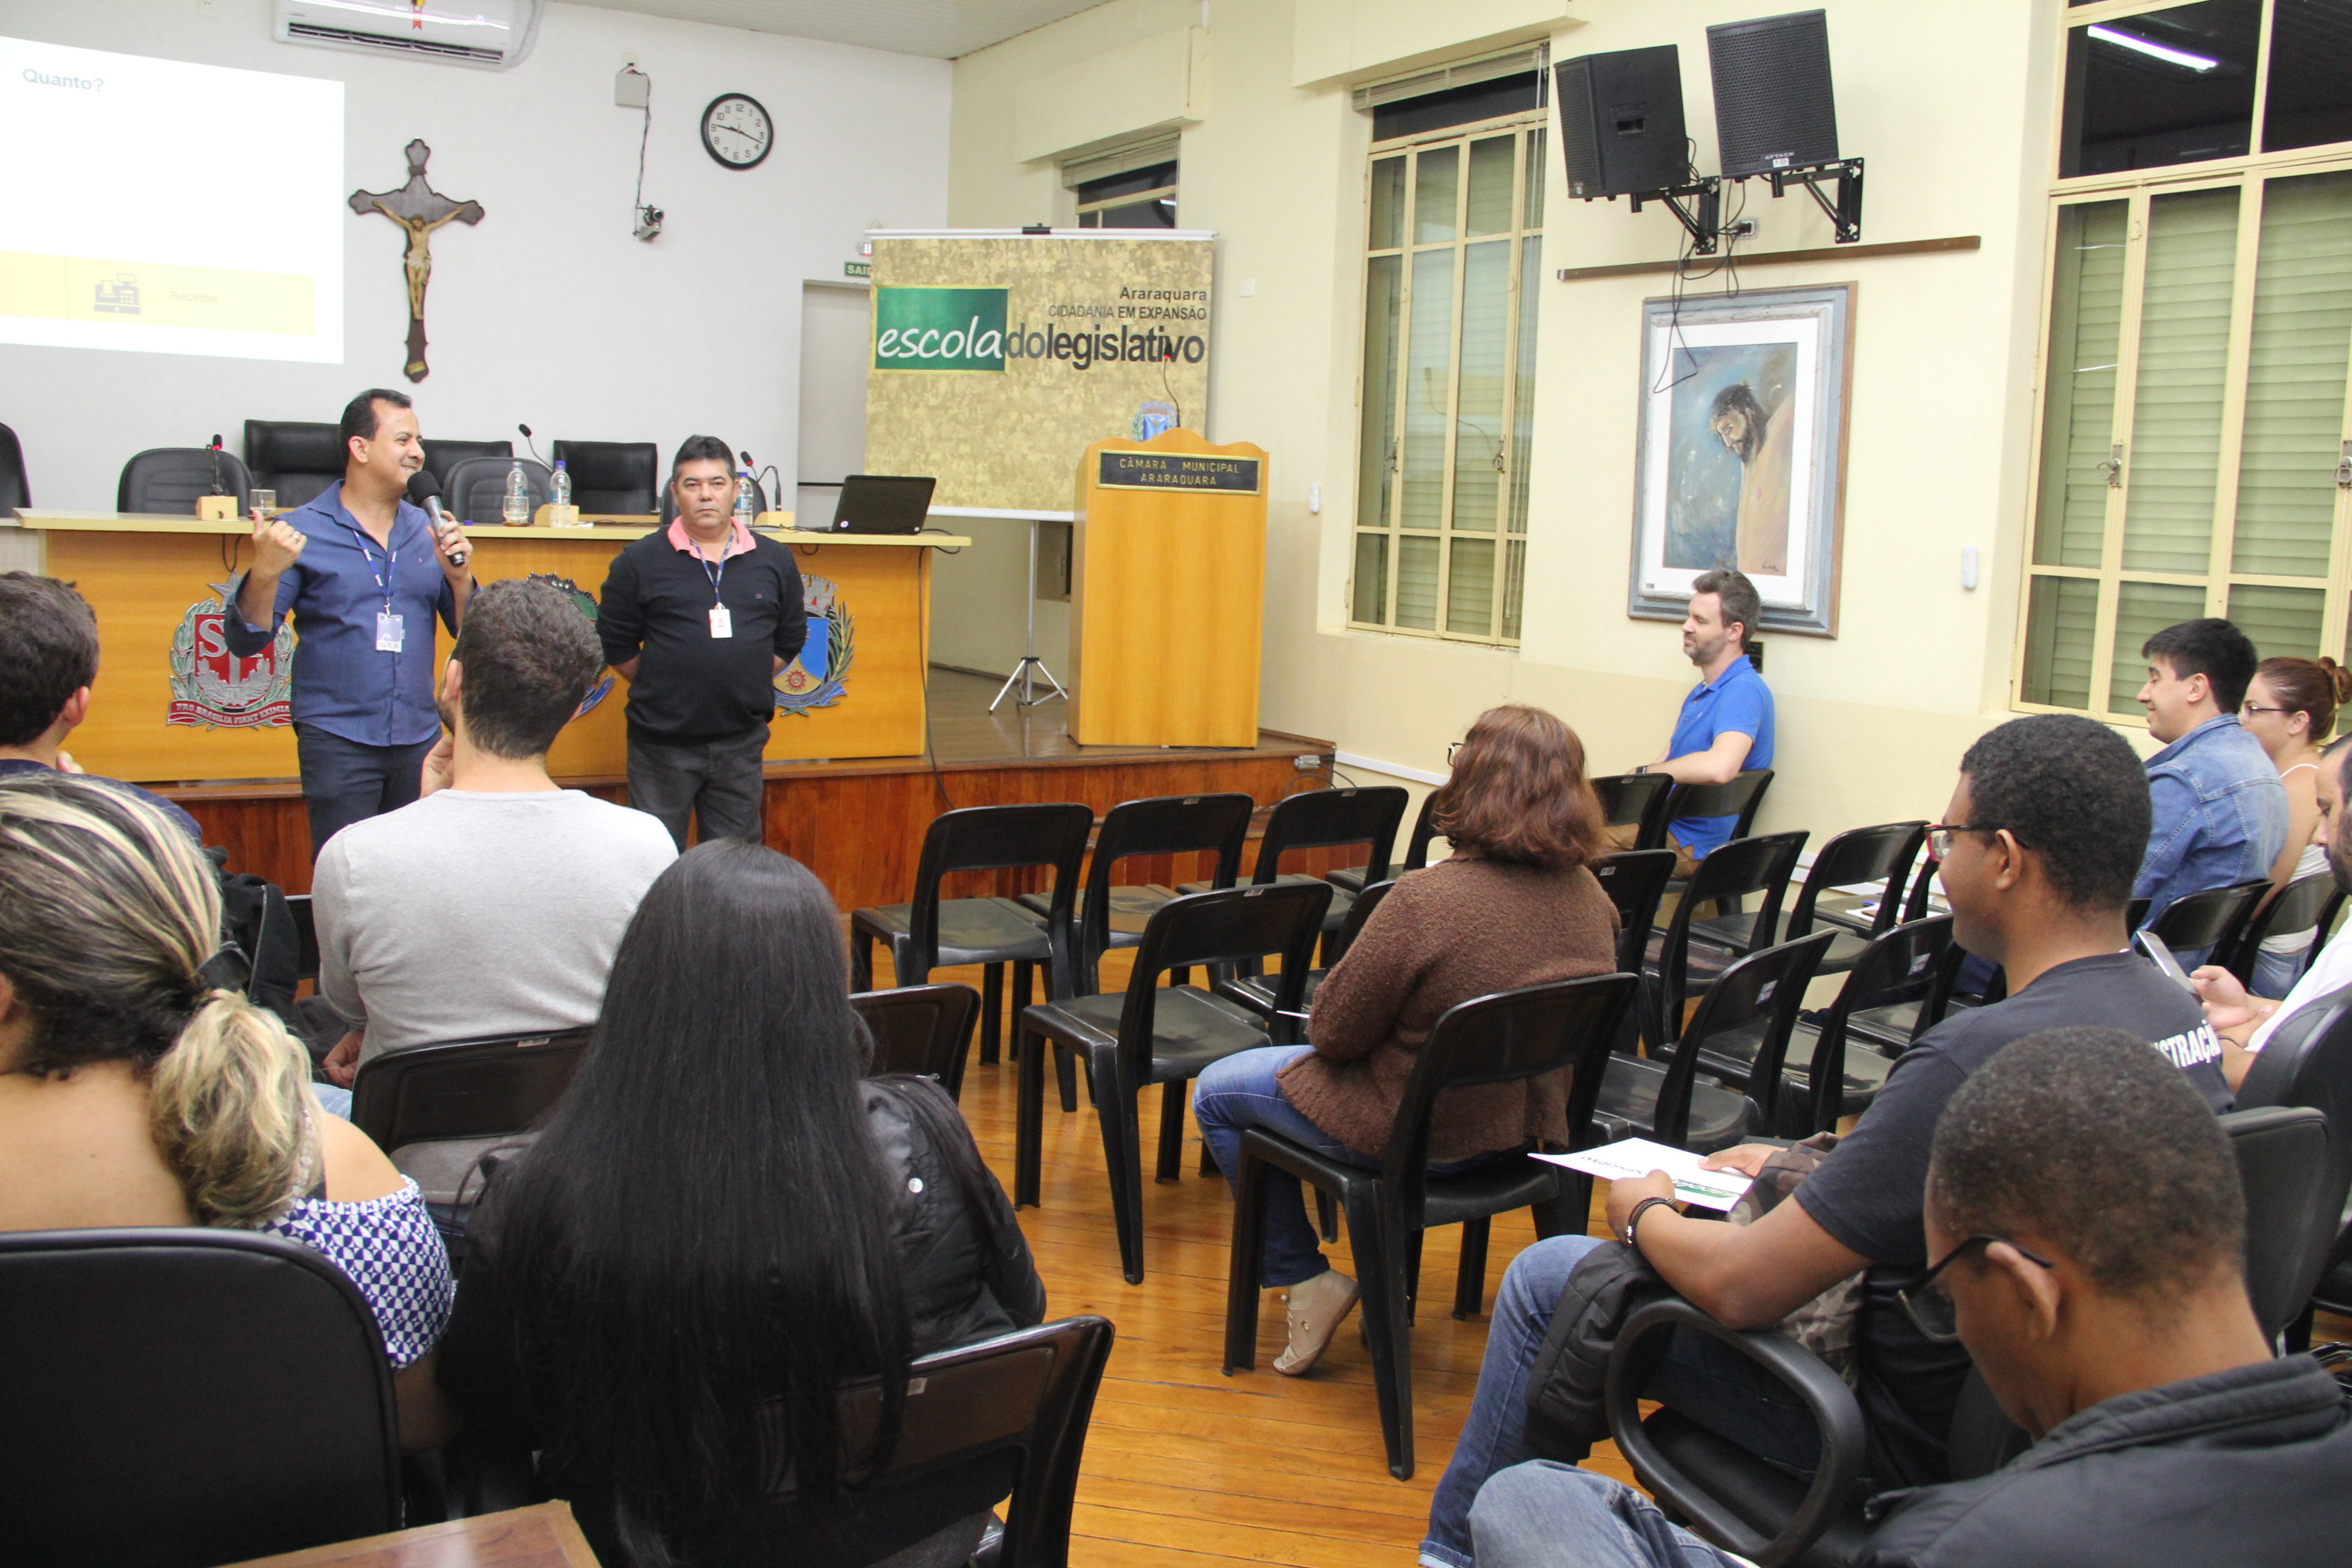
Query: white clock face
[737, 130]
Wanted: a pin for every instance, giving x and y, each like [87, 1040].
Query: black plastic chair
[1889, 1028]
[182, 1397]
[612, 478]
[1416, 852]
[476, 488]
[1506, 1038]
[295, 458]
[1741, 866]
[166, 480]
[1740, 799]
[1326, 819]
[2307, 1061]
[1749, 1012]
[1637, 800]
[1880, 854]
[435, 1110]
[2298, 907]
[1635, 882]
[2294, 1206]
[1823, 1081]
[1861, 912]
[920, 1029]
[1111, 916]
[306, 934]
[1259, 993]
[16, 490]
[1163, 1035]
[2208, 920]
[931, 931]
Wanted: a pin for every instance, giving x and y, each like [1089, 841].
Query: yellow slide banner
[147, 294]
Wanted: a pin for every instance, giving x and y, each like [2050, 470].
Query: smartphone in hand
[2152, 947]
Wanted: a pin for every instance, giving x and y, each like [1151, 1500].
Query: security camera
[650, 221]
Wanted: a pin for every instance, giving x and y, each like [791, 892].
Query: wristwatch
[1634, 1220]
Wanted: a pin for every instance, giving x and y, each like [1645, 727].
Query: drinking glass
[265, 501]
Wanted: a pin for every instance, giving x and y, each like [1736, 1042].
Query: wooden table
[156, 583]
[541, 1536]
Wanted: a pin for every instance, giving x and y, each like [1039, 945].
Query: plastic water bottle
[561, 485]
[518, 509]
[746, 508]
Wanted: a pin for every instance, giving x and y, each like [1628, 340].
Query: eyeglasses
[1939, 835]
[1930, 1303]
[2250, 708]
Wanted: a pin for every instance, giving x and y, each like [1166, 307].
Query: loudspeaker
[1620, 121]
[1774, 108]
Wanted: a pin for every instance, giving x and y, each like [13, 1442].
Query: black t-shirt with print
[1867, 1194]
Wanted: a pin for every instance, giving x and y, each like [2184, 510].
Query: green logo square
[938, 328]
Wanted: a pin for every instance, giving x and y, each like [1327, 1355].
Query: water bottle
[561, 485]
[746, 508]
[518, 509]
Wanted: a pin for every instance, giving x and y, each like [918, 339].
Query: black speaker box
[1773, 105]
[1620, 121]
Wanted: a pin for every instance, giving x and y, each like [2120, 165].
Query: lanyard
[716, 573]
[390, 575]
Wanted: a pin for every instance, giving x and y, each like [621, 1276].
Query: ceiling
[943, 29]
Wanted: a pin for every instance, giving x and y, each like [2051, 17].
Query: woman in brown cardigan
[1514, 907]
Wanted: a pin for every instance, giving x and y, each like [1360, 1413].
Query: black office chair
[183, 1397]
[1508, 1038]
[1749, 1013]
[920, 1029]
[437, 1110]
[612, 478]
[668, 513]
[16, 490]
[1740, 800]
[1111, 916]
[443, 455]
[2298, 907]
[1880, 854]
[1638, 801]
[930, 931]
[2211, 920]
[476, 488]
[1416, 851]
[1163, 1035]
[1326, 819]
[2308, 1062]
[295, 458]
[166, 480]
[1635, 882]
[1743, 866]
[1258, 992]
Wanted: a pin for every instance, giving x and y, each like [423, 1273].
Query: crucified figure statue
[418, 209]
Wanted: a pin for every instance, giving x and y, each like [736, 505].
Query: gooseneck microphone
[424, 490]
[215, 450]
[528, 448]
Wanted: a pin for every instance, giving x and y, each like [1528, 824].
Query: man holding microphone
[364, 573]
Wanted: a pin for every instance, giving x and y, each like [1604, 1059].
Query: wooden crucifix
[418, 209]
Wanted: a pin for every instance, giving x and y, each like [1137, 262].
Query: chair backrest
[475, 487]
[1637, 800]
[168, 480]
[611, 477]
[466, 1088]
[1896, 966]
[2211, 919]
[1635, 879]
[2295, 1206]
[1424, 832]
[2298, 907]
[1501, 1038]
[668, 510]
[441, 455]
[16, 490]
[1880, 854]
[1227, 926]
[1002, 838]
[1162, 825]
[296, 457]
[1741, 866]
[187, 1397]
[1920, 902]
[1740, 798]
[1359, 912]
[1758, 999]
[2307, 1061]
[920, 1029]
[1323, 818]
[306, 935]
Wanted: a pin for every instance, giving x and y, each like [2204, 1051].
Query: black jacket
[2253, 1465]
[691, 686]
[1566, 1415]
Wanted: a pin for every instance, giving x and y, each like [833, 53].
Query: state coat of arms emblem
[216, 689]
[818, 678]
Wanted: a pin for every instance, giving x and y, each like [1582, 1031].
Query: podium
[1168, 593]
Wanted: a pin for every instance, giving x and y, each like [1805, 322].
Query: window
[2197, 349]
[1453, 258]
[1140, 198]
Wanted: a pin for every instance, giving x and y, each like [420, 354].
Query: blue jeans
[1704, 1380]
[1548, 1515]
[1240, 1092]
[345, 781]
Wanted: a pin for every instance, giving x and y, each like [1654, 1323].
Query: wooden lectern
[1168, 593]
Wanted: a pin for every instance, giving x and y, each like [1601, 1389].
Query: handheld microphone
[424, 490]
[533, 450]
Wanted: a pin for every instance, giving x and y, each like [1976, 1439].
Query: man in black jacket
[2085, 1211]
[700, 617]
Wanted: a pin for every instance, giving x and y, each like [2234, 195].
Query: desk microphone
[215, 450]
[774, 498]
[424, 490]
[533, 450]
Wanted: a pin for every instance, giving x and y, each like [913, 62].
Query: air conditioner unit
[492, 33]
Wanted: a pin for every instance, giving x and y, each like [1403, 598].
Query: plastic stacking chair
[1164, 1035]
[1326, 819]
[2308, 1062]
[1416, 852]
[1861, 912]
[930, 931]
[2208, 922]
[1637, 800]
[1861, 854]
[1111, 917]
[1635, 881]
[1258, 992]
[2298, 907]
[1749, 1012]
[925, 1030]
[1503, 1039]
[1740, 800]
[1743, 866]
[168, 480]
[182, 1398]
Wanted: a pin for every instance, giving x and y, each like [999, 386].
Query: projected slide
[170, 208]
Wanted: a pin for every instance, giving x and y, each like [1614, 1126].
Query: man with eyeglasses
[2086, 1217]
[2039, 843]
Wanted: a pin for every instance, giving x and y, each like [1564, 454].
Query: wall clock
[737, 132]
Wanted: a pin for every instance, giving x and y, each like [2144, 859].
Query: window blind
[2184, 358]
[2295, 377]
[2142, 610]
[2282, 622]
[1479, 433]
[2062, 618]
[2079, 393]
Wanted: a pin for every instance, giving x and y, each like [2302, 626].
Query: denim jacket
[2220, 814]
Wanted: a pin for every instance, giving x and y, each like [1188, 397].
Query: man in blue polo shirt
[364, 574]
[1726, 724]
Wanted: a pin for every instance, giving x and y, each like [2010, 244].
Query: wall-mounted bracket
[1705, 222]
[1844, 213]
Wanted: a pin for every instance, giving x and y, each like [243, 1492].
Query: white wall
[548, 311]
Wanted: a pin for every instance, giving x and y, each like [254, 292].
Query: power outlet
[1308, 764]
[1742, 229]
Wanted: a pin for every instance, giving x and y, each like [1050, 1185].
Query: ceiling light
[2154, 50]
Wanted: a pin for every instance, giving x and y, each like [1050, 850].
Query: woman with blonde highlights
[1515, 906]
[134, 1091]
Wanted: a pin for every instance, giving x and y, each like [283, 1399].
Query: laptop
[882, 503]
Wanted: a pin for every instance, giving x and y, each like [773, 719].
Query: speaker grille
[1774, 106]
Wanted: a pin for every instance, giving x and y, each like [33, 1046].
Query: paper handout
[1630, 1158]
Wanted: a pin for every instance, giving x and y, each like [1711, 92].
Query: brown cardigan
[1463, 928]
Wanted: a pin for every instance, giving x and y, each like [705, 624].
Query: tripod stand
[1030, 666]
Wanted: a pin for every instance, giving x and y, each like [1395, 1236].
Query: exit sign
[857, 269]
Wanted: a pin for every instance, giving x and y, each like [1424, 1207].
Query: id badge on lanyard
[387, 632]
[722, 624]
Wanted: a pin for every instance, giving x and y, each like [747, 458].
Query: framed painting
[1741, 456]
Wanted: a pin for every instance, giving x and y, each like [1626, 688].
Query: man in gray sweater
[493, 904]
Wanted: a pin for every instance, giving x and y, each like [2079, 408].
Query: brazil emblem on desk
[818, 679]
[213, 688]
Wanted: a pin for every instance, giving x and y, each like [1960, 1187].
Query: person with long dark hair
[1513, 906]
[720, 1224]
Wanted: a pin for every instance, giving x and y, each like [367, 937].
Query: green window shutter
[2184, 359]
[2282, 622]
[2295, 376]
[2062, 624]
[2142, 610]
[2087, 309]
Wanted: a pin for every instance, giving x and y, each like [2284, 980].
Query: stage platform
[859, 824]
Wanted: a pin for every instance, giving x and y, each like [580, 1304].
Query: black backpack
[257, 927]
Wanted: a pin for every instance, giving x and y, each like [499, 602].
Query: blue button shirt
[2220, 816]
[1735, 702]
[343, 682]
